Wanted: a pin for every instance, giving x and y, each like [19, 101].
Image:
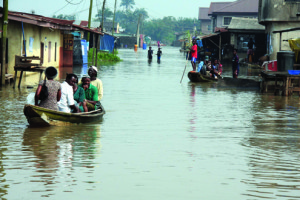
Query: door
[42, 52]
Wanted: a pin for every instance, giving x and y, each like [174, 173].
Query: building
[49, 39]
[281, 19]
[205, 21]
[222, 13]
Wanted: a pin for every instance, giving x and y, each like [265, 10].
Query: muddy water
[159, 140]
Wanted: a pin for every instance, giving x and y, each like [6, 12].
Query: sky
[155, 8]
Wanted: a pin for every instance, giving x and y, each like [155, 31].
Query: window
[49, 52]
[227, 21]
[209, 27]
[55, 51]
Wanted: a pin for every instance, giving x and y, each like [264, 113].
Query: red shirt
[194, 54]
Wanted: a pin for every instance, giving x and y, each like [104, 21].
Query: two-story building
[222, 13]
[281, 19]
[205, 21]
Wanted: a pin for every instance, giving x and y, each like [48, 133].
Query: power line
[70, 2]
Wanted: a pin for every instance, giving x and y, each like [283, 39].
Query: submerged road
[159, 140]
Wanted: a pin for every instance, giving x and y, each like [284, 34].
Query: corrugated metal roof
[244, 6]
[209, 35]
[240, 23]
[203, 13]
[216, 6]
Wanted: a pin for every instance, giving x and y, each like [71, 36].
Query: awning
[208, 36]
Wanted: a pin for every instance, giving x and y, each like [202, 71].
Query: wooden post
[93, 61]
[103, 8]
[4, 36]
[97, 44]
[89, 22]
[137, 31]
[220, 49]
[114, 17]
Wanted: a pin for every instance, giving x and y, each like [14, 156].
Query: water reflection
[274, 149]
[57, 151]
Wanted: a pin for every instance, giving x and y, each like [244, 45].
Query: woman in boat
[54, 90]
[79, 97]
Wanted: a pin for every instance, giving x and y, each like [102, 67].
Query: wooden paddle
[187, 58]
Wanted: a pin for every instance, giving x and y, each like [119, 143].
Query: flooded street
[159, 139]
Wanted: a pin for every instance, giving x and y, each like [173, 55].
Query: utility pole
[103, 8]
[4, 35]
[89, 22]
[114, 18]
[137, 31]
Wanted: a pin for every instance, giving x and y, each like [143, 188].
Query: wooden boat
[240, 82]
[38, 116]
[198, 77]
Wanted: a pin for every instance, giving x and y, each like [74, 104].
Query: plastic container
[294, 72]
[285, 60]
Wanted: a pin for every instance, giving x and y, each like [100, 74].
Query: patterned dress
[51, 101]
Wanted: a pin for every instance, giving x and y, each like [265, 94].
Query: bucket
[144, 46]
[285, 60]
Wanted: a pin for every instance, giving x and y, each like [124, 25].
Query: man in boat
[92, 72]
[194, 54]
[150, 53]
[215, 71]
[67, 103]
[91, 94]
[235, 64]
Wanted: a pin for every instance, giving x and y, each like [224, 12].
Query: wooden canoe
[38, 116]
[198, 77]
[241, 82]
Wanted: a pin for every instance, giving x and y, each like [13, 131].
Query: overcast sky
[155, 8]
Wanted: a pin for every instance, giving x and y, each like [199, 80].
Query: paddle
[187, 58]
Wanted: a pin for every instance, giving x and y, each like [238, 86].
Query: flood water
[159, 139]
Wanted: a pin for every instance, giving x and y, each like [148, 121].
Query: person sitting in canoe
[214, 72]
[92, 72]
[54, 90]
[91, 94]
[67, 103]
[79, 97]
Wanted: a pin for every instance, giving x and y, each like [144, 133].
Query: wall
[38, 34]
[274, 39]
[221, 17]
[204, 26]
[279, 15]
[278, 10]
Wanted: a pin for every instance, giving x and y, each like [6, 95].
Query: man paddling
[194, 54]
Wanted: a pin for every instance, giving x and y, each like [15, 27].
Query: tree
[107, 14]
[128, 4]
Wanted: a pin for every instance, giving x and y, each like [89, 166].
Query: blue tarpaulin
[107, 43]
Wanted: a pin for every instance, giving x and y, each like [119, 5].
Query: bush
[104, 56]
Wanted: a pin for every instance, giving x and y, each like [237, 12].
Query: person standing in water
[159, 53]
[150, 53]
[194, 54]
[235, 64]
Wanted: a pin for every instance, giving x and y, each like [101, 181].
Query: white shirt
[67, 97]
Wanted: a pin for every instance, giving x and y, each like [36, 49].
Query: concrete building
[221, 13]
[205, 21]
[279, 16]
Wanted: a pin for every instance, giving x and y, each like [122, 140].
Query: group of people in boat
[71, 96]
[212, 68]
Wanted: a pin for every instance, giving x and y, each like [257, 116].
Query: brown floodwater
[159, 139]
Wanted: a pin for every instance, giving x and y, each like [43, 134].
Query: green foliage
[67, 17]
[107, 14]
[127, 4]
[104, 56]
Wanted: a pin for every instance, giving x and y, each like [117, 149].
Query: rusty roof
[216, 6]
[241, 6]
[203, 13]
